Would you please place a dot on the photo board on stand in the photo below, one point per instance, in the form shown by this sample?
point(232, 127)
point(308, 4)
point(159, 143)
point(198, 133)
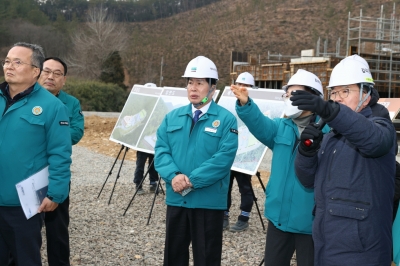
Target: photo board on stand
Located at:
point(251, 151)
point(143, 113)
point(135, 114)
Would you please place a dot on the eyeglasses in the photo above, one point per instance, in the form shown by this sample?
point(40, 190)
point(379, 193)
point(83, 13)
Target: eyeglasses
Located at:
point(286, 96)
point(56, 74)
point(15, 63)
point(342, 93)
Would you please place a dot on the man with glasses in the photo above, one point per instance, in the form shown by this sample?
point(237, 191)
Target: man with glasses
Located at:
point(351, 169)
point(53, 79)
point(34, 134)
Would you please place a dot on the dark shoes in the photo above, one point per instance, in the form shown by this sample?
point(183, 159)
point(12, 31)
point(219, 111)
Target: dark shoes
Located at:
point(239, 226)
point(140, 191)
point(153, 187)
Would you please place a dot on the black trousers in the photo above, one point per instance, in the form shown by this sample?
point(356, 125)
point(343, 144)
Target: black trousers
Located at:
point(202, 227)
point(57, 235)
point(246, 195)
point(141, 158)
point(280, 246)
point(20, 237)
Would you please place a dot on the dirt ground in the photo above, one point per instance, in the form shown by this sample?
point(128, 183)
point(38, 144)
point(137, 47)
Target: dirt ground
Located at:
point(96, 138)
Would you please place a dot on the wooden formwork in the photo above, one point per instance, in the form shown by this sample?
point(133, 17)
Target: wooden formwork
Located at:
point(321, 69)
point(269, 72)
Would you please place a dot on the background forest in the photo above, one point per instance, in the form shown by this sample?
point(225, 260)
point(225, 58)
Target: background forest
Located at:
point(112, 45)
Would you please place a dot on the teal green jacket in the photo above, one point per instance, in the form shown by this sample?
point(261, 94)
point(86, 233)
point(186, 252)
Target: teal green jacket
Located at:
point(288, 204)
point(34, 133)
point(205, 155)
point(76, 120)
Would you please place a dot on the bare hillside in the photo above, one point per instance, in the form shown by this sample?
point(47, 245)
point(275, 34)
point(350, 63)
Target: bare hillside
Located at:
point(253, 26)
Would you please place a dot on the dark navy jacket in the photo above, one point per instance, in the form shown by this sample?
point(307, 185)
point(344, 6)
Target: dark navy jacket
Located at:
point(353, 180)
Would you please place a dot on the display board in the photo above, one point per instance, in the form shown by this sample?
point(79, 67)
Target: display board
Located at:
point(143, 113)
point(135, 114)
point(393, 106)
point(251, 152)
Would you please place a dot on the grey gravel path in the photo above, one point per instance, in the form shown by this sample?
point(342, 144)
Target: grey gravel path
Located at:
point(100, 235)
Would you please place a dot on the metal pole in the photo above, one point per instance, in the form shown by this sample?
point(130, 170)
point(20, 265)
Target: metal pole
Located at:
point(359, 34)
point(162, 63)
point(348, 36)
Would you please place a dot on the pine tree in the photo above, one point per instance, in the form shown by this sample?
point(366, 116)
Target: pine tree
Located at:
point(112, 70)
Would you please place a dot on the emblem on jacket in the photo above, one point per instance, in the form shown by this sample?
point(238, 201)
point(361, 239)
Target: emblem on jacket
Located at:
point(37, 110)
point(216, 123)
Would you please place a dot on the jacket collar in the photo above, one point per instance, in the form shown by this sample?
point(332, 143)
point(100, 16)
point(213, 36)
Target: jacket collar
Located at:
point(188, 110)
point(62, 96)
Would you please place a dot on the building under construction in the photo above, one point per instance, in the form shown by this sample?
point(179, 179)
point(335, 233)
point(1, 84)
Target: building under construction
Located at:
point(375, 39)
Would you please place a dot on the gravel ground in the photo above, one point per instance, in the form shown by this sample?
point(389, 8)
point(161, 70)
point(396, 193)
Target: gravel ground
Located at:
point(101, 235)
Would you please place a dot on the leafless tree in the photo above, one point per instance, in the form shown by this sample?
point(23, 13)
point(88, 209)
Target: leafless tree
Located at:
point(95, 41)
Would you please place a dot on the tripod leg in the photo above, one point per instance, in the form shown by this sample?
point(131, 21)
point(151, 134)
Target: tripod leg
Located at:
point(140, 184)
point(262, 262)
point(259, 179)
point(159, 178)
point(154, 199)
point(255, 202)
point(130, 202)
point(112, 167)
point(119, 171)
point(159, 186)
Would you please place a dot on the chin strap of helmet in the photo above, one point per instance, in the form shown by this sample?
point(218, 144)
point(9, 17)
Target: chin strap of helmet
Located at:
point(361, 100)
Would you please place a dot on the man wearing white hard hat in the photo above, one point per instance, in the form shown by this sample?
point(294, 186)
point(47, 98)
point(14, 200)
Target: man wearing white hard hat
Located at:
point(243, 180)
point(352, 171)
point(288, 205)
point(195, 149)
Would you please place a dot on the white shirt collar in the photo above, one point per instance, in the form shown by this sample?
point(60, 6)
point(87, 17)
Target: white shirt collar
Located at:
point(203, 109)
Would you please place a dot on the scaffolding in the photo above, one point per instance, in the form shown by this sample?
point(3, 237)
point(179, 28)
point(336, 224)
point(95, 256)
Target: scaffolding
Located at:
point(378, 41)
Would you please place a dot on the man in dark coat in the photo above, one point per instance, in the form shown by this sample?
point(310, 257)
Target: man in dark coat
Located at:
point(351, 169)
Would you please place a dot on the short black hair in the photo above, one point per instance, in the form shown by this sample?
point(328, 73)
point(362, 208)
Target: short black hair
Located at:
point(213, 81)
point(208, 80)
point(58, 60)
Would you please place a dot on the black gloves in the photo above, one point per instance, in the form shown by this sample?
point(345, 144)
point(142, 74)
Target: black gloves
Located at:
point(310, 140)
point(327, 110)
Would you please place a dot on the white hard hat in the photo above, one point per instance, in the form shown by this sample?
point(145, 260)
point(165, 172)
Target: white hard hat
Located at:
point(349, 71)
point(305, 78)
point(201, 67)
point(357, 58)
point(245, 78)
point(150, 85)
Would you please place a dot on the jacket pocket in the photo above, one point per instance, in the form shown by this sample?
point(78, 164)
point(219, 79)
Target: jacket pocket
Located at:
point(348, 211)
point(344, 227)
point(171, 129)
point(175, 134)
point(34, 127)
point(33, 120)
point(211, 141)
